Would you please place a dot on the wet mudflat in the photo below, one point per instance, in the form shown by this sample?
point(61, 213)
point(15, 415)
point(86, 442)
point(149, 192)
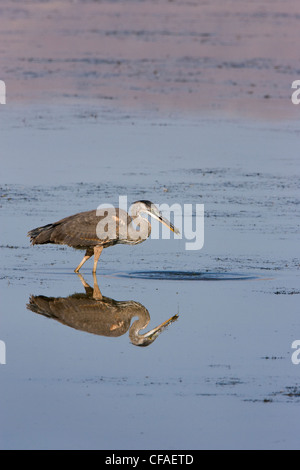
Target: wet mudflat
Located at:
point(220, 375)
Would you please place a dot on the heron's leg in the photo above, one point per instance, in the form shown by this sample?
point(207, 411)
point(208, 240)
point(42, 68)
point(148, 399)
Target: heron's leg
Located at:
point(97, 253)
point(97, 293)
point(87, 256)
point(84, 283)
point(88, 288)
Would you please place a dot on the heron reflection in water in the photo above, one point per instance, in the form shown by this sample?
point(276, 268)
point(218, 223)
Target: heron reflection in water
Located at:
point(97, 229)
point(93, 313)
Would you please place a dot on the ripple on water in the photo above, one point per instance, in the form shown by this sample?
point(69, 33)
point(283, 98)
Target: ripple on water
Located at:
point(187, 276)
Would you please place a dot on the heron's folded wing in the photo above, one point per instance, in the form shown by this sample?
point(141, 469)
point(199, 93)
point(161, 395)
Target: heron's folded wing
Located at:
point(88, 229)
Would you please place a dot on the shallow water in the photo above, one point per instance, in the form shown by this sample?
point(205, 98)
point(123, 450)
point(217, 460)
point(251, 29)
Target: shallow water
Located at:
point(151, 100)
point(221, 375)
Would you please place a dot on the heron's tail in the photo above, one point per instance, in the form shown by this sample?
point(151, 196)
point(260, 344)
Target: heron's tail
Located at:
point(40, 304)
point(41, 235)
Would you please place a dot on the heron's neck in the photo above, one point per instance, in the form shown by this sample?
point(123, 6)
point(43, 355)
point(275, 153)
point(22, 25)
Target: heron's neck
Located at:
point(141, 220)
point(138, 325)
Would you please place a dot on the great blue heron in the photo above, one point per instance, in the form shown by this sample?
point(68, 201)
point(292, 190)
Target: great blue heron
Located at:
point(97, 229)
point(93, 313)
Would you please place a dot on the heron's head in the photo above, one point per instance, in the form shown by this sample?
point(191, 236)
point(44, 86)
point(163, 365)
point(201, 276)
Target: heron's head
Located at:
point(147, 207)
point(147, 338)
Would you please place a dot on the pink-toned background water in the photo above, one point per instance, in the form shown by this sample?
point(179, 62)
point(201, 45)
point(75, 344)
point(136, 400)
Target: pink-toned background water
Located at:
point(176, 56)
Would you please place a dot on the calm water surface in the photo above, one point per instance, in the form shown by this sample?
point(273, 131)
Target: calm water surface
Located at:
point(220, 375)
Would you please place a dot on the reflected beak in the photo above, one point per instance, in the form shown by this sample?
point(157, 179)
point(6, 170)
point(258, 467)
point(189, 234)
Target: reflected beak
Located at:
point(165, 222)
point(152, 334)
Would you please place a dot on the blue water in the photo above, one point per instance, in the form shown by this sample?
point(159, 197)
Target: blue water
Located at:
point(220, 376)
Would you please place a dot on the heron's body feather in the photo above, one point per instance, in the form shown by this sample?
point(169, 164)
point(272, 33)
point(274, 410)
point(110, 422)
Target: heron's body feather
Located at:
point(80, 230)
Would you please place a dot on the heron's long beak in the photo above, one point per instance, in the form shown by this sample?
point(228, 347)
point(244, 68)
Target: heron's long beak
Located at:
point(165, 222)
